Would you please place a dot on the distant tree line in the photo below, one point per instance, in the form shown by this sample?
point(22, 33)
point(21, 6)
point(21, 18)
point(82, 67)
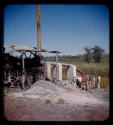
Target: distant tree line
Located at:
point(94, 53)
point(91, 54)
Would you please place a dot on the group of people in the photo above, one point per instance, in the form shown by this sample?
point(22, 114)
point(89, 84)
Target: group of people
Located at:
point(88, 81)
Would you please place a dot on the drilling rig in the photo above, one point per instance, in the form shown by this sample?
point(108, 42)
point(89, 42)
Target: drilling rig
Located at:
point(41, 69)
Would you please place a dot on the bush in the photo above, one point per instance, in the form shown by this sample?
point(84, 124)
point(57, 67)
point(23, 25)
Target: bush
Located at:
point(48, 101)
point(61, 101)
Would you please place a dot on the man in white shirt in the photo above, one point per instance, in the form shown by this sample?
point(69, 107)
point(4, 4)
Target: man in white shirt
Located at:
point(98, 78)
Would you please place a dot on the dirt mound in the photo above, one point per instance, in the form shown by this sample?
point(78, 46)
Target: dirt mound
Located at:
point(45, 90)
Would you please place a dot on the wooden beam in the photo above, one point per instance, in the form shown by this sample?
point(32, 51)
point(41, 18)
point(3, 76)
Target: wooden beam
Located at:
point(38, 27)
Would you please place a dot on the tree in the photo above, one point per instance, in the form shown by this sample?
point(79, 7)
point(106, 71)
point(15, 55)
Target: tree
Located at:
point(97, 53)
point(87, 55)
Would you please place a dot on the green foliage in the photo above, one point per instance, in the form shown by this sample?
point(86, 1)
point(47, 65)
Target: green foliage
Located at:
point(97, 53)
point(87, 55)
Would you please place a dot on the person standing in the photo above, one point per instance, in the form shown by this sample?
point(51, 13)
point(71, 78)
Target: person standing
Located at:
point(98, 78)
point(93, 81)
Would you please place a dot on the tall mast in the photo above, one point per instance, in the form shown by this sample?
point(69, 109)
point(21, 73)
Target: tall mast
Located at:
point(38, 27)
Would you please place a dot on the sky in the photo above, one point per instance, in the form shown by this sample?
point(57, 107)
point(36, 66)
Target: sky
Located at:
point(66, 28)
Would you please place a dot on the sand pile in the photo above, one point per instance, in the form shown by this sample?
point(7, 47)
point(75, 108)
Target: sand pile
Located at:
point(46, 90)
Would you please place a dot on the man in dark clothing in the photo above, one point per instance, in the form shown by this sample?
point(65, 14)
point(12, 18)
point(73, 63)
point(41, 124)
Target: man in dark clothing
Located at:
point(78, 83)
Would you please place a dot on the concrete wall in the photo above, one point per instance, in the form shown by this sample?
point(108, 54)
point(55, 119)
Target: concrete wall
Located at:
point(71, 73)
point(48, 71)
point(57, 71)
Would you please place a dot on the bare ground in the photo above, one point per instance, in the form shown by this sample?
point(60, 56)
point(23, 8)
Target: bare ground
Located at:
point(48, 102)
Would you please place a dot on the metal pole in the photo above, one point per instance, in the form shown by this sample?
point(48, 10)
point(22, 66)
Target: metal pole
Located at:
point(23, 65)
point(23, 71)
point(56, 57)
point(56, 63)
